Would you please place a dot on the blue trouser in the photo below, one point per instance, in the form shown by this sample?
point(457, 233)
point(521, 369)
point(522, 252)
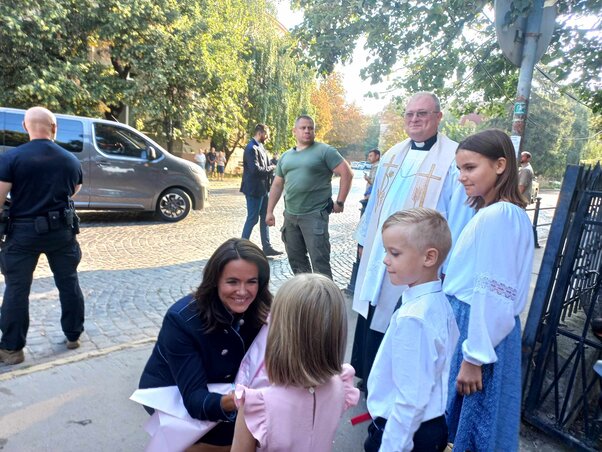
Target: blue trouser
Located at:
point(257, 207)
point(307, 234)
point(18, 259)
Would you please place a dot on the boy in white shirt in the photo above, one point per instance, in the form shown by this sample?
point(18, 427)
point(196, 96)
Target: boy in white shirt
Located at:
point(407, 386)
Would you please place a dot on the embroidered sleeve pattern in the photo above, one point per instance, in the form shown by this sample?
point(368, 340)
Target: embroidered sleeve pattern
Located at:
point(488, 285)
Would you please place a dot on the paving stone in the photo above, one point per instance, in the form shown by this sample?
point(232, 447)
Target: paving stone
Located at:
point(134, 267)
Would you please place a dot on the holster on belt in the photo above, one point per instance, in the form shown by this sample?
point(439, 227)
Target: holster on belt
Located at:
point(71, 217)
point(4, 224)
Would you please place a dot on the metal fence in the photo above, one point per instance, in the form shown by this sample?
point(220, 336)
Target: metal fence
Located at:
point(561, 390)
point(536, 224)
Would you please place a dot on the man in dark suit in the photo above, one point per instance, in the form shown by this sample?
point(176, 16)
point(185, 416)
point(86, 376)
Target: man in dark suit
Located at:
point(256, 185)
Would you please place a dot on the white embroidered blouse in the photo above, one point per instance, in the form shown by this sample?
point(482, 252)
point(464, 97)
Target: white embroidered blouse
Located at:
point(490, 269)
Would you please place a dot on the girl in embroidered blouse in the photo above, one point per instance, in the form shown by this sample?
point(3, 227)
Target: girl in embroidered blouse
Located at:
point(311, 388)
point(487, 282)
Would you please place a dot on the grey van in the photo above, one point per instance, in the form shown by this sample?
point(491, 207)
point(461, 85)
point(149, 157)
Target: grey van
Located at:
point(123, 168)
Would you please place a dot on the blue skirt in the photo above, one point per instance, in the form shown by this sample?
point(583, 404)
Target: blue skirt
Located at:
point(488, 420)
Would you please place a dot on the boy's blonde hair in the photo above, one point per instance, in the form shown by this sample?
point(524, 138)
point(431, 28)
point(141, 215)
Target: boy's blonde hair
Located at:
point(307, 336)
point(426, 229)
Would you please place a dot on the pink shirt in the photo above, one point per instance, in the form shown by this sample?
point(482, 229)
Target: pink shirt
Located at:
point(289, 418)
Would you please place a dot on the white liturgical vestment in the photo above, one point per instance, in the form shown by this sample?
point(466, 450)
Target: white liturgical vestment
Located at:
point(405, 178)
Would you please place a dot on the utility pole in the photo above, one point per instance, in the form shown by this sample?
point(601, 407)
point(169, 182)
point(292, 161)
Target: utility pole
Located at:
point(525, 77)
point(523, 42)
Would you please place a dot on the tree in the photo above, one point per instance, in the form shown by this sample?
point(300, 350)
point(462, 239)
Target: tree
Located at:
point(338, 123)
point(592, 151)
point(279, 86)
point(185, 63)
point(44, 56)
point(323, 111)
point(450, 46)
point(328, 101)
point(392, 125)
point(199, 68)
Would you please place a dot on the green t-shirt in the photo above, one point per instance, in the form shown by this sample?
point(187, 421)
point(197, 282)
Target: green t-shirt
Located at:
point(307, 177)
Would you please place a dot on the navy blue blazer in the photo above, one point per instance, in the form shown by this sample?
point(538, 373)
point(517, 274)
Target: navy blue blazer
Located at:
point(256, 172)
point(190, 358)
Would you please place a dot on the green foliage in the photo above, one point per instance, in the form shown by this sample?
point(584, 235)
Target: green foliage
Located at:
point(372, 134)
point(575, 53)
point(452, 127)
point(392, 125)
point(278, 86)
point(340, 124)
point(184, 62)
point(200, 68)
point(592, 151)
point(450, 46)
point(44, 55)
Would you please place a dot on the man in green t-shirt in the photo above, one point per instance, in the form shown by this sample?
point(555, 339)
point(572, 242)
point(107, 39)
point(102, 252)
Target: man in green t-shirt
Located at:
point(304, 173)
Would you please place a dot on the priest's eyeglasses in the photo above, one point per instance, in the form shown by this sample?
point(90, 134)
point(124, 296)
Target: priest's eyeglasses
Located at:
point(420, 114)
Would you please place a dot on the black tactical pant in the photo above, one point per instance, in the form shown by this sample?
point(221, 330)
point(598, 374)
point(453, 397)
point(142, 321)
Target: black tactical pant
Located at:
point(18, 259)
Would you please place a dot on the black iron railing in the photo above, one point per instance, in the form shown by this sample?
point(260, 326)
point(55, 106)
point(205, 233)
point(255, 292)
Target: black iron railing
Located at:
point(536, 210)
point(560, 344)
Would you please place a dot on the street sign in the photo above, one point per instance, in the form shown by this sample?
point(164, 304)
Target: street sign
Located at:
point(520, 108)
point(510, 37)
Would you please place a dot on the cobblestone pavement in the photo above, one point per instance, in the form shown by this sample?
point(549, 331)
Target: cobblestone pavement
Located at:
point(134, 267)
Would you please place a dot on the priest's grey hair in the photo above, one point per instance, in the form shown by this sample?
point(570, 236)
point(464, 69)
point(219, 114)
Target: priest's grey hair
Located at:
point(429, 94)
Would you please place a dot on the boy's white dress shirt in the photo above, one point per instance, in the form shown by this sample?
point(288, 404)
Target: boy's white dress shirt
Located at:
point(409, 379)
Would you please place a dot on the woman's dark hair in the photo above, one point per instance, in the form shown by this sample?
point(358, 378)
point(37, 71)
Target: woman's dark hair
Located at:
point(206, 296)
point(495, 144)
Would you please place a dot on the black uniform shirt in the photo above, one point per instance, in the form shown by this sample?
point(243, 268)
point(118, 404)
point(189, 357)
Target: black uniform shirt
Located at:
point(43, 177)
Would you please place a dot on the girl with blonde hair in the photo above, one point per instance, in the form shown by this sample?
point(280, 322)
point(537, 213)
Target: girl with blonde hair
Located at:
point(310, 387)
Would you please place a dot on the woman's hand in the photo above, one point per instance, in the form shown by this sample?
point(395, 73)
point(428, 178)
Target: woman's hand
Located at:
point(227, 402)
point(470, 379)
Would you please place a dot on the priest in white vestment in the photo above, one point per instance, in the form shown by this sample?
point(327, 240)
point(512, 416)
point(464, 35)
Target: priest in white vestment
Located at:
point(418, 172)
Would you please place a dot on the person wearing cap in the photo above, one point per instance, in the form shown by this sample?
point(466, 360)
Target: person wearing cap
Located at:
point(525, 175)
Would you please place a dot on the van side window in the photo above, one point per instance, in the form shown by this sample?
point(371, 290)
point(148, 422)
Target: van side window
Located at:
point(70, 134)
point(14, 133)
point(116, 141)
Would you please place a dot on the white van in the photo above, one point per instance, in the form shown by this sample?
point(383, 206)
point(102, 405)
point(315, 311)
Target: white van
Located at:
point(123, 168)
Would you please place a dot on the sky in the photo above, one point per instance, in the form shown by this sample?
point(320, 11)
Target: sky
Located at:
point(355, 87)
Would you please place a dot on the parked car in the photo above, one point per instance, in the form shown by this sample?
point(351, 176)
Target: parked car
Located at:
point(123, 169)
point(361, 165)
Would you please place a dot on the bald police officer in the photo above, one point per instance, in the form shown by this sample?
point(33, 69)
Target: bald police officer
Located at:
point(41, 177)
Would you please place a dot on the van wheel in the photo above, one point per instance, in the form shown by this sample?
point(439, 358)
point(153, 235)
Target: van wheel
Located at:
point(173, 205)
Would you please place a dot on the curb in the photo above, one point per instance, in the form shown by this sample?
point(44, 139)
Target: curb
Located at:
point(72, 359)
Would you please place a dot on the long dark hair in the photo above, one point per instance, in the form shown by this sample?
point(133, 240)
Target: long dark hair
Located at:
point(206, 296)
point(495, 144)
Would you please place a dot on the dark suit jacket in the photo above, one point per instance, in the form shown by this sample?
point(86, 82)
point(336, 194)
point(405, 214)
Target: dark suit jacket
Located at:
point(256, 175)
point(190, 358)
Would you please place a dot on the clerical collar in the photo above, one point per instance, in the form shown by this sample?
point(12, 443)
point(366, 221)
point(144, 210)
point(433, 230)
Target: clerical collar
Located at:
point(425, 146)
